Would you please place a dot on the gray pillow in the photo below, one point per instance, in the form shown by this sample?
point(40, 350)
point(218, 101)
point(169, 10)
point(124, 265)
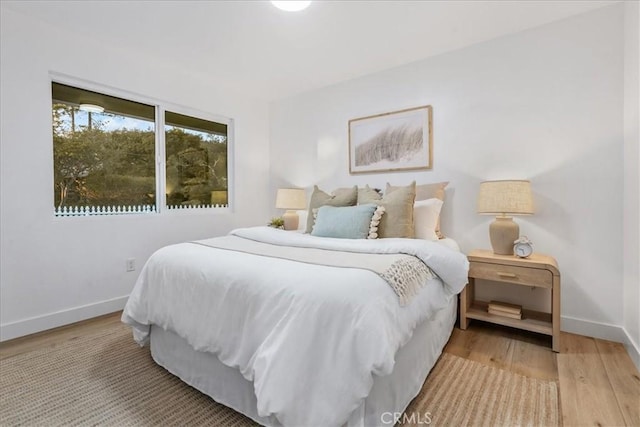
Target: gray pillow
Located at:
point(340, 197)
point(397, 220)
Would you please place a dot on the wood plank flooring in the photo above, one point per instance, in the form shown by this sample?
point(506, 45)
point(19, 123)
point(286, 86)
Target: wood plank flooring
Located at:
point(56, 336)
point(599, 384)
point(625, 384)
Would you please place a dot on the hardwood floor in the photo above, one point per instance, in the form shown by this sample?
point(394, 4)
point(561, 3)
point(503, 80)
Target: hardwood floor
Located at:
point(56, 336)
point(599, 384)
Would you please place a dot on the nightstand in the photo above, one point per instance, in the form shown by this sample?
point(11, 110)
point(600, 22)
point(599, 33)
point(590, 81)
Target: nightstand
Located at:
point(538, 270)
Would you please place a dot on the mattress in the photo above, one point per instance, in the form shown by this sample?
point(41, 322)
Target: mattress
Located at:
point(390, 394)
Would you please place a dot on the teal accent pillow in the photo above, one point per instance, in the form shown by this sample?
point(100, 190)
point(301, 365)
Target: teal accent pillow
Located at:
point(340, 197)
point(350, 222)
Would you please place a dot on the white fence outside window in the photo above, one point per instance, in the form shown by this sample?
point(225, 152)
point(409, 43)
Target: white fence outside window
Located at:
point(124, 210)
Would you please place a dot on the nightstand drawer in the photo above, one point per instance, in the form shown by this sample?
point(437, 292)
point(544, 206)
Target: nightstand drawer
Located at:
point(512, 274)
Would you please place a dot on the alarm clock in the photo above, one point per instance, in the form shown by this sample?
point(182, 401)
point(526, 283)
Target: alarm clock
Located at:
point(523, 247)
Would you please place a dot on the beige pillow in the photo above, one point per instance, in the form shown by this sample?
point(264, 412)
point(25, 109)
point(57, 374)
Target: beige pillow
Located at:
point(426, 192)
point(366, 194)
point(397, 220)
point(340, 197)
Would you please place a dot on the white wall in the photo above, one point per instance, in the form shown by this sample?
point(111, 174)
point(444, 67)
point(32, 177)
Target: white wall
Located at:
point(56, 271)
point(631, 209)
point(544, 104)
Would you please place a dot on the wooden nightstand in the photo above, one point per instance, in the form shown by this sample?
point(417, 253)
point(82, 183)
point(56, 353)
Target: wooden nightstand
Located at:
point(537, 270)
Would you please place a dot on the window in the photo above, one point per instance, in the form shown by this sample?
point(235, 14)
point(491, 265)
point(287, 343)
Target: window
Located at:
point(105, 155)
point(102, 161)
point(196, 159)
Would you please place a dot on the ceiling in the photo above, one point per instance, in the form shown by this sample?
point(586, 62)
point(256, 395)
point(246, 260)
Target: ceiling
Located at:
point(272, 54)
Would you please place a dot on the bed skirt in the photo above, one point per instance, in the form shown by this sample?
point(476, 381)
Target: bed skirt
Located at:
point(390, 394)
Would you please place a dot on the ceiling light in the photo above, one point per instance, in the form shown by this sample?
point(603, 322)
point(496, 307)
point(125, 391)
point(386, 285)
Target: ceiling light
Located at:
point(291, 5)
point(91, 108)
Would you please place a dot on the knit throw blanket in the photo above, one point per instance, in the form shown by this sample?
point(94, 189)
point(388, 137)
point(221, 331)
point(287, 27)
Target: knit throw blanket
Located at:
point(406, 274)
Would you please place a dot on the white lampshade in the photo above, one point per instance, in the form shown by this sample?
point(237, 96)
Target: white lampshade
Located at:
point(91, 108)
point(511, 197)
point(291, 199)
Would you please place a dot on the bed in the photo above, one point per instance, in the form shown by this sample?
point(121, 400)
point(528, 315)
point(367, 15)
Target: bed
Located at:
point(292, 329)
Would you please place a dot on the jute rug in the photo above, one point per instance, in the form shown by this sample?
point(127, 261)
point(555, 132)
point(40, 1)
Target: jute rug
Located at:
point(106, 379)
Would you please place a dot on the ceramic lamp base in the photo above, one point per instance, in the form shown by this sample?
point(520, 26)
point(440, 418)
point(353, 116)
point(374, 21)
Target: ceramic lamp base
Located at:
point(503, 232)
point(291, 220)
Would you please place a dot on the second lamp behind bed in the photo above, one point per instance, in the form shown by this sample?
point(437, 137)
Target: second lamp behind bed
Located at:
point(291, 199)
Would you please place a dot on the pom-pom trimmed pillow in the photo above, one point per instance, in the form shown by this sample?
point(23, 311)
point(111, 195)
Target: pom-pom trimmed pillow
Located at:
point(340, 197)
point(347, 222)
point(425, 218)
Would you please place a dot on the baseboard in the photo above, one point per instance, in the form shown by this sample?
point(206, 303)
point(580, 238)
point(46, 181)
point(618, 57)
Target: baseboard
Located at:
point(589, 328)
point(603, 331)
point(632, 348)
point(32, 325)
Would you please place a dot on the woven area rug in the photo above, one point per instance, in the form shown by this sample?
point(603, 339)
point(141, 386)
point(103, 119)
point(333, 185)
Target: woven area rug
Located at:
point(461, 392)
point(106, 379)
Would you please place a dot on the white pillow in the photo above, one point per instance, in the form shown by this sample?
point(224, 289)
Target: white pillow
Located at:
point(302, 223)
point(425, 218)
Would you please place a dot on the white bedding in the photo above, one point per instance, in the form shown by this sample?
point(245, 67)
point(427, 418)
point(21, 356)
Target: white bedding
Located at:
point(300, 332)
point(389, 394)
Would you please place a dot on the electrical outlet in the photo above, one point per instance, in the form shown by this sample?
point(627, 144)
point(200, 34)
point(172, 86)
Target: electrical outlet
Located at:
point(131, 264)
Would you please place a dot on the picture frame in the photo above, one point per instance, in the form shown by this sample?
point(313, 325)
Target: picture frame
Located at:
point(389, 142)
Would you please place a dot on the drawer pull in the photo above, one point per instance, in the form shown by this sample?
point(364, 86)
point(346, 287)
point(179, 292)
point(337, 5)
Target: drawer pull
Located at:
point(510, 275)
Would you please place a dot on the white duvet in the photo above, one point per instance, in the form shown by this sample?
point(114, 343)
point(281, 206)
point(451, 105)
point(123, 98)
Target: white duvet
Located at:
point(310, 337)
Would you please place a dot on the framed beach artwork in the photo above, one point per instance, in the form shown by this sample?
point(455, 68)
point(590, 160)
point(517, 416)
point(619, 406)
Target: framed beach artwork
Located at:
point(397, 141)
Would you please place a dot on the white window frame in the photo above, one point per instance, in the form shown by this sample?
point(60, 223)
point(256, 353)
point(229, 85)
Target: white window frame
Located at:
point(160, 160)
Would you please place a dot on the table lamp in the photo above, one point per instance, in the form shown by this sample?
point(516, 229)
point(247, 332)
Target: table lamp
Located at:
point(504, 198)
point(291, 199)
